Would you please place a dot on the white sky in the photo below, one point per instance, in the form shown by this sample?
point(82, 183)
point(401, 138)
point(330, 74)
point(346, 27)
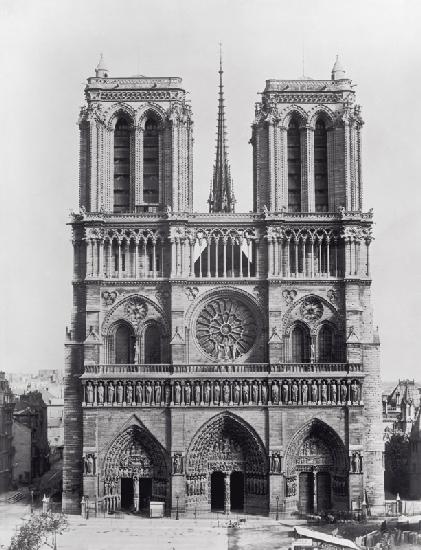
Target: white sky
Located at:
point(49, 48)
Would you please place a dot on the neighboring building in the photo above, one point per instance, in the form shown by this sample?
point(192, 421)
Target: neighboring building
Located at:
point(31, 412)
point(6, 421)
point(415, 459)
point(400, 406)
point(222, 360)
point(22, 456)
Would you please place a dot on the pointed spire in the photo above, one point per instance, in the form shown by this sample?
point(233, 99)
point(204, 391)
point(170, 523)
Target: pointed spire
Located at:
point(221, 196)
point(101, 71)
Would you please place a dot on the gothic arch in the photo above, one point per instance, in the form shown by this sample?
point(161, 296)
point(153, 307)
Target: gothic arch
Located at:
point(135, 452)
point(110, 317)
point(150, 111)
point(119, 110)
point(331, 442)
point(226, 443)
point(293, 111)
point(321, 111)
point(294, 313)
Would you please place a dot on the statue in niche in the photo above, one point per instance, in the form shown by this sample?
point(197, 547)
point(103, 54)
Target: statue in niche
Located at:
point(158, 393)
point(129, 393)
point(360, 462)
point(294, 392)
point(264, 394)
point(354, 392)
point(187, 393)
point(285, 392)
point(275, 393)
point(237, 393)
point(217, 393)
point(110, 392)
point(89, 393)
point(314, 392)
point(304, 393)
point(100, 393)
point(167, 394)
point(178, 463)
point(177, 393)
point(324, 392)
point(148, 394)
point(276, 463)
point(255, 393)
point(333, 392)
point(206, 393)
point(226, 393)
point(119, 393)
point(197, 393)
point(344, 392)
point(89, 464)
point(245, 393)
point(139, 393)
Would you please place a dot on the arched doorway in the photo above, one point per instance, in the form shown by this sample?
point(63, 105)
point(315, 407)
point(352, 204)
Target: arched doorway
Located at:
point(135, 471)
point(237, 491)
point(217, 491)
point(316, 469)
point(227, 460)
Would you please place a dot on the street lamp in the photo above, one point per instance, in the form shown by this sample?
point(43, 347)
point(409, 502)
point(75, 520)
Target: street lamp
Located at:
point(277, 508)
point(176, 512)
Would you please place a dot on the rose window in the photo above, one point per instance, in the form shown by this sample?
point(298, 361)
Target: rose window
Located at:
point(226, 329)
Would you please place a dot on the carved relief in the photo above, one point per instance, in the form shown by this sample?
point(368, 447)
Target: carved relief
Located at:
point(109, 297)
point(226, 329)
point(289, 296)
point(311, 308)
point(191, 292)
point(136, 309)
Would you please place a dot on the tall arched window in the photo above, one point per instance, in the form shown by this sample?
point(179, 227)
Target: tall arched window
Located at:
point(124, 345)
point(326, 345)
point(121, 166)
point(300, 345)
point(294, 167)
point(320, 167)
point(152, 345)
point(151, 162)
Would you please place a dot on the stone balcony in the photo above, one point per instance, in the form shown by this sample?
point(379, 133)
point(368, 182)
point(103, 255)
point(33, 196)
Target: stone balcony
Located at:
point(229, 385)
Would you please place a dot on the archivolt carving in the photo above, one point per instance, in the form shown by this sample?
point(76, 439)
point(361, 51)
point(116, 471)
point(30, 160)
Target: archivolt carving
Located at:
point(135, 453)
point(226, 328)
point(226, 443)
point(316, 445)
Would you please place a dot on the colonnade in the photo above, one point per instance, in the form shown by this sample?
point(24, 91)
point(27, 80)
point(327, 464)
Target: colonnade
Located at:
point(239, 392)
point(115, 258)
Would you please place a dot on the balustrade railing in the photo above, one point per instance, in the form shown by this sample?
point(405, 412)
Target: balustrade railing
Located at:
point(228, 368)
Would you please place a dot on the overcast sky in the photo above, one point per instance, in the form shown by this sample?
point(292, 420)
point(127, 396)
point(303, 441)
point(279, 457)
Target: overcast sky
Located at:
point(49, 48)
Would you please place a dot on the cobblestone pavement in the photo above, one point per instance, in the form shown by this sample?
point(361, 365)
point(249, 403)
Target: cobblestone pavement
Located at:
point(160, 534)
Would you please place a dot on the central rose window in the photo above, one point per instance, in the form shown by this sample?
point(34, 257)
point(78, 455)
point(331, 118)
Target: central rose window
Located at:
point(226, 329)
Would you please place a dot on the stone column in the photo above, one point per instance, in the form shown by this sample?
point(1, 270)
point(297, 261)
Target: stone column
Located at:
point(227, 503)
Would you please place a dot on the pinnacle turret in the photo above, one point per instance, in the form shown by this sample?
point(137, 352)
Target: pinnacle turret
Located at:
point(221, 196)
point(101, 71)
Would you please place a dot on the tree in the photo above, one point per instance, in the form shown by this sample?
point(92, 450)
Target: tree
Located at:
point(38, 530)
point(397, 464)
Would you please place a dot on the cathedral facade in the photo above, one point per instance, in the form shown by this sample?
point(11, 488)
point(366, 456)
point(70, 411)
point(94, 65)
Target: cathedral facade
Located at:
point(221, 360)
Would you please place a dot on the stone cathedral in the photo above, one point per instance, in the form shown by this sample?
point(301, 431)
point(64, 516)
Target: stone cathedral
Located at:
point(221, 360)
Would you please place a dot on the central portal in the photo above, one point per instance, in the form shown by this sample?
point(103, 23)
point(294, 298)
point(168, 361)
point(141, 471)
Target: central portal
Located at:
point(217, 491)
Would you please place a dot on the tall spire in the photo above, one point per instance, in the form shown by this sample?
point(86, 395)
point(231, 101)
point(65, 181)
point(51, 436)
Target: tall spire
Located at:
point(221, 196)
